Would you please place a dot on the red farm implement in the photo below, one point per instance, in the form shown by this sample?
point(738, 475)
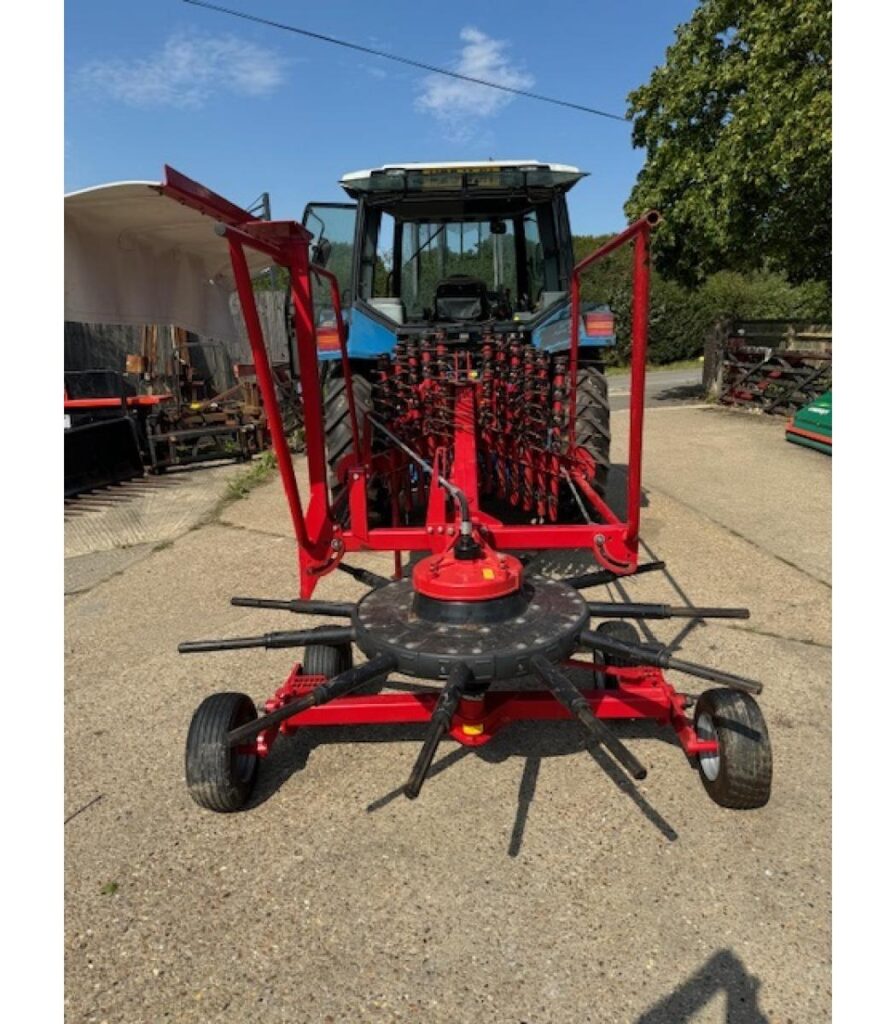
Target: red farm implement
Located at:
point(444, 436)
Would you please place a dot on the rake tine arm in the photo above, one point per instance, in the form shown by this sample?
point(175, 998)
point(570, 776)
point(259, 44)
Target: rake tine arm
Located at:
point(337, 609)
point(642, 655)
point(338, 686)
point(597, 579)
point(290, 638)
point(571, 698)
point(365, 576)
point(619, 610)
point(439, 724)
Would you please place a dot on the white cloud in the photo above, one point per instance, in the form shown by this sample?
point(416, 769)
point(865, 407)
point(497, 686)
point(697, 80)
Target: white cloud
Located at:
point(459, 104)
point(186, 72)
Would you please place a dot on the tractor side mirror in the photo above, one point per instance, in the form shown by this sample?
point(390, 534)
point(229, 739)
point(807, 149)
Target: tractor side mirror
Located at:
point(320, 253)
point(497, 226)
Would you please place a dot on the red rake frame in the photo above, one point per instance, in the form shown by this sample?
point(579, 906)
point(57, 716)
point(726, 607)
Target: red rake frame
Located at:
point(322, 542)
point(641, 692)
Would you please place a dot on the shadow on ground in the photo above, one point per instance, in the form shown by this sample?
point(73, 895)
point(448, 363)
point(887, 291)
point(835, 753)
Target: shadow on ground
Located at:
point(724, 972)
point(528, 742)
point(682, 393)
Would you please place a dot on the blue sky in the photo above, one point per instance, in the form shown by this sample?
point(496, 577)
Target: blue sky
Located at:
point(246, 108)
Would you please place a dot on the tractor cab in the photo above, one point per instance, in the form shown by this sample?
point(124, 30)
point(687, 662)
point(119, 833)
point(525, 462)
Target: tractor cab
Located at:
point(465, 248)
point(458, 276)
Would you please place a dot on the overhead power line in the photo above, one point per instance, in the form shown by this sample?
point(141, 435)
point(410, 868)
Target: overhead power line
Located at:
point(404, 60)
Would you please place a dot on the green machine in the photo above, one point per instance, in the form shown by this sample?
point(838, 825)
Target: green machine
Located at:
point(811, 426)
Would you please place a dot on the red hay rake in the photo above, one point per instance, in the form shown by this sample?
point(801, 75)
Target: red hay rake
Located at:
point(466, 614)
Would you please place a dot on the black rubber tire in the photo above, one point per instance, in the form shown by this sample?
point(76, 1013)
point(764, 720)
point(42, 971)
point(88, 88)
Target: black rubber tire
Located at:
point(744, 776)
point(593, 421)
point(618, 629)
point(592, 433)
point(338, 430)
point(219, 778)
point(327, 659)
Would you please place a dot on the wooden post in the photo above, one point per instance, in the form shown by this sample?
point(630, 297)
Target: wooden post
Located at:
point(714, 357)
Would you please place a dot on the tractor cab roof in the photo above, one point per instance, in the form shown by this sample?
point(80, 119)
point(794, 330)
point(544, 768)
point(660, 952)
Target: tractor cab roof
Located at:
point(410, 186)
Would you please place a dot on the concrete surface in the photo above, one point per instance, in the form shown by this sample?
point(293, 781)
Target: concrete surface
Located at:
point(151, 510)
point(662, 387)
point(109, 529)
point(530, 882)
point(752, 481)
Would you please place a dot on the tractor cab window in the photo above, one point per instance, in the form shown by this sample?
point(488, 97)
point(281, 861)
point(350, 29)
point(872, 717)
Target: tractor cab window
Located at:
point(534, 257)
point(333, 228)
point(383, 276)
point(432, 252)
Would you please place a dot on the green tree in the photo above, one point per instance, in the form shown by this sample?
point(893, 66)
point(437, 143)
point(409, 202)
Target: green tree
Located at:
point(737, 130)
point(680, 316)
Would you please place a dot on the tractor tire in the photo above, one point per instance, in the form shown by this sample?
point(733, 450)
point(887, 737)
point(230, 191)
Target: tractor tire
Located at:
point(593, 421)
point(218, 777)
point(327, 659)
point(338, 432)
point(740, 775)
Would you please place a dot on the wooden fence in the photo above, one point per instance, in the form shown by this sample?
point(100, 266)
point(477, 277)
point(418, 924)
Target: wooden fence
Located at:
point(774, 366)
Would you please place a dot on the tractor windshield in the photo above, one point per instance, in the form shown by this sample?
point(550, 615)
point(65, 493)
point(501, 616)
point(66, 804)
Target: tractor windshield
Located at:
point(505, 255)
point(480, 249)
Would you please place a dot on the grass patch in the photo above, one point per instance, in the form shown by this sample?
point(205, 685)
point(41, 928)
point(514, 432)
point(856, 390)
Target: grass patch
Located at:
point(109, 889)
point(256, 474)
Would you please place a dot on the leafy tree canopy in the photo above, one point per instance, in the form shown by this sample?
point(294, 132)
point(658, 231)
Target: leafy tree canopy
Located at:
point(737, 129)
point(681, 316)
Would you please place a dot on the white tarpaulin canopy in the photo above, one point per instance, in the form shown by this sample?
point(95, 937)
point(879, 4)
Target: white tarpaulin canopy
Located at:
point(134, 256)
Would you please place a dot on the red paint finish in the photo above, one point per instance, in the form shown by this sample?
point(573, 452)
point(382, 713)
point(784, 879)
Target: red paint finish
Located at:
point(132, 401)
point(267, 388)
point(643, 693)
point(623, 558)
point(791, 429)
point(448, 578)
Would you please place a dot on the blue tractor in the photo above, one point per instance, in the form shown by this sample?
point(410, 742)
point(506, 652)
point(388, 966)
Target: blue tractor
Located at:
point(461, 265)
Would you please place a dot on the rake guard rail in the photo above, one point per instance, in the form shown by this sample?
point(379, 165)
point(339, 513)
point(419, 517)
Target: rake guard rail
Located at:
point(639, 231)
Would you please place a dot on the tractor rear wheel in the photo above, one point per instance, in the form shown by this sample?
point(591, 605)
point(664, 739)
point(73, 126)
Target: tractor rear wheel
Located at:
point(338, 432)
point(593, 421)
point(220, 777)
point(740, 774)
